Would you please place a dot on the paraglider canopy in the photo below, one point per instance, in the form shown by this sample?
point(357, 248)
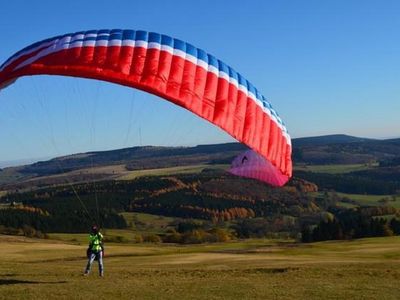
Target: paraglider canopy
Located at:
point(176, 71)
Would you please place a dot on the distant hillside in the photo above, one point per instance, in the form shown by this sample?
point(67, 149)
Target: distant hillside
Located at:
point(111, 164)
point(147, 157)
point(320, 150)
point(343, 149)
point(328, 140)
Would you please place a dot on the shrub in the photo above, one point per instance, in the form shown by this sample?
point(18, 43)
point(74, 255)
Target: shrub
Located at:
point(196, 237)
point(138, 238)
point(151, 238)
point(220, 235)
point(10, 230)
point(188, 226)
point(28, 231)
point(172, 237)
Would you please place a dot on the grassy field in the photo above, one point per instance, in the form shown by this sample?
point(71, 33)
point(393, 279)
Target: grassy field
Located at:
point(254, 269)
point(169, 171)
point(141, 222)
point(333, 169)
point(366, 200)
point(117, 172)
point(148, 219)
point(372, 200)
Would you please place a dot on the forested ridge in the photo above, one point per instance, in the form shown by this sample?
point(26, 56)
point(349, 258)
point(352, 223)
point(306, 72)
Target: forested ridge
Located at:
point(307, 206)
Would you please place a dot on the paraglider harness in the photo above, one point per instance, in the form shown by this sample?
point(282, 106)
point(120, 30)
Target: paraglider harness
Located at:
point(89, 250)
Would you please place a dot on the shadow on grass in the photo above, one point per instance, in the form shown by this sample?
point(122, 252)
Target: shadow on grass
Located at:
point(17, 281)
point(270, 270)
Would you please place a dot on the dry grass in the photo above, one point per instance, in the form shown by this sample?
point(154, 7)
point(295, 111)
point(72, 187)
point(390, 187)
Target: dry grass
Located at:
point(169, 171)
point(255, 269)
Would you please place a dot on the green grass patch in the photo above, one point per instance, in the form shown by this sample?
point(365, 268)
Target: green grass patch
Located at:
point(347, 205)
point(364, 200)
point(386, 217)
point(78, 238)
point(112, 235)
point(146, 223)
point(146, 218)
point(370, 200)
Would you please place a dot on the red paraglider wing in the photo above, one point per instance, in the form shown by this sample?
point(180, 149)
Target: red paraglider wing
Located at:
point(171, 69)
point(250, 164)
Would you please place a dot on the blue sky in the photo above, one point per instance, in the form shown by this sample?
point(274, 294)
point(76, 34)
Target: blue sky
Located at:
point(326, 66)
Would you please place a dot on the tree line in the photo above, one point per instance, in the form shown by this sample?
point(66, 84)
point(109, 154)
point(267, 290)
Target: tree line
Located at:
point(68, 221)
point(353, 183)
point(351, 224)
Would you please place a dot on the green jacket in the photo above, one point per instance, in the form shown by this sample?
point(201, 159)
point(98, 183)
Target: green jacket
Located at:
point(96, 242)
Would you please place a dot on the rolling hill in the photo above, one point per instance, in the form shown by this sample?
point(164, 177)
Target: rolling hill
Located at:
point(328, 140)
point(99, 165)
point(343, 149)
